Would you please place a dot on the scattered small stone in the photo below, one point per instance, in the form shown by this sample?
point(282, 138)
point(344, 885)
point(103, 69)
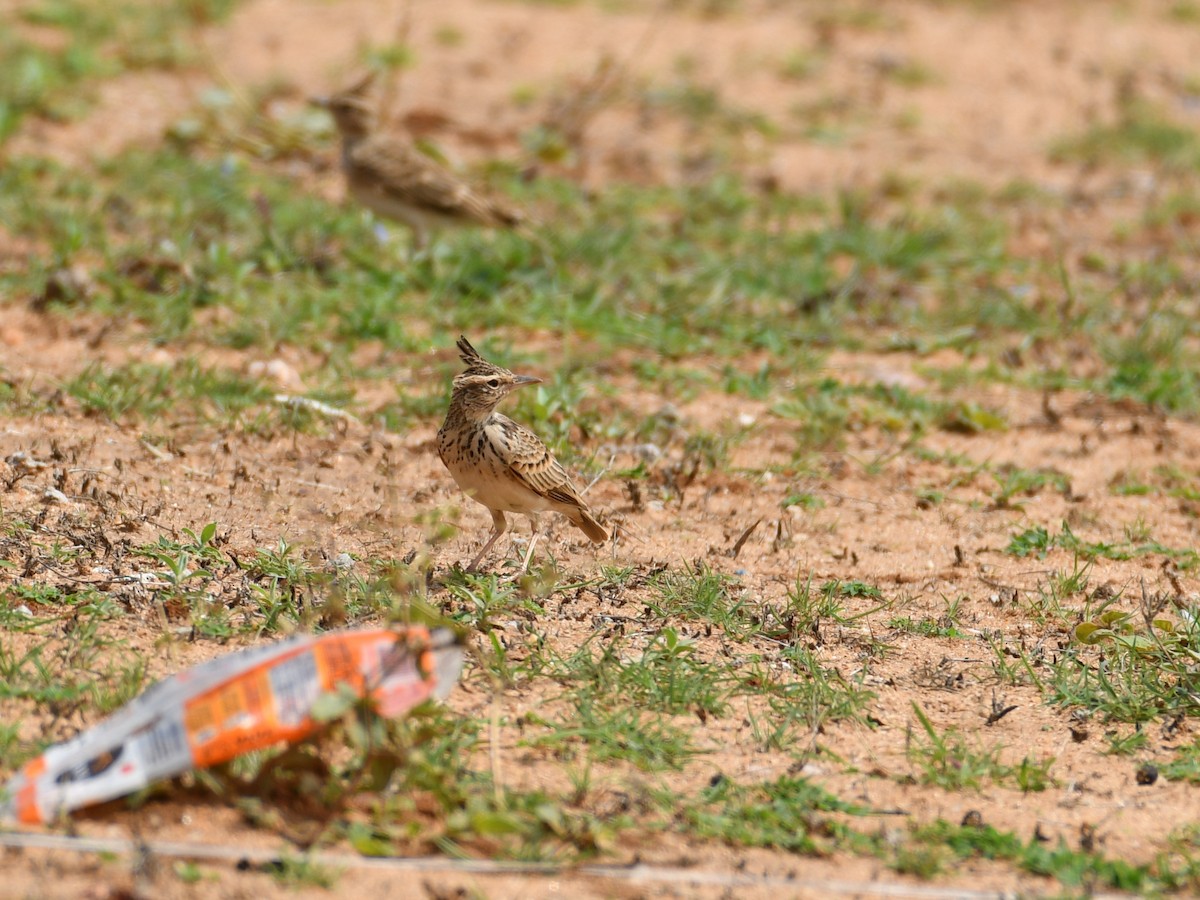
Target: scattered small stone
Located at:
point(343, 562)
point(1147, 774)
point(22, 460)
point(54, 495)
point(278, 372)
point(972, 819)
point(160, 455)
point(647, 452)
point(67, 285)
point(316, 406)
point(669, 413)
point(146, 579)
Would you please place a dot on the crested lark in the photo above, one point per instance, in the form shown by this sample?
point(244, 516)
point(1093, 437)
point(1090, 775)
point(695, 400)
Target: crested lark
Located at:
point(499, 463)
point(390, 177)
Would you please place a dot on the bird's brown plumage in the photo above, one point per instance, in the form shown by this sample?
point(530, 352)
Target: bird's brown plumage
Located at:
point(392, 178)
point(499, 462)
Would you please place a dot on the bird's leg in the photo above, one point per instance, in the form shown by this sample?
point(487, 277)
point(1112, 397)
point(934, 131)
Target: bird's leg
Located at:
point(499, 526)
point(420, 242)
point(533, 537)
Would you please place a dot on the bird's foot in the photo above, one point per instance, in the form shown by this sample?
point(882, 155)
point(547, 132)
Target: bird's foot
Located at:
point(528, 554)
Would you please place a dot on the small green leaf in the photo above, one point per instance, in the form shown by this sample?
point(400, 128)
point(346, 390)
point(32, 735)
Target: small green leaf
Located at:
point(1112, 616)
point(552, 817)
point(971, 418)
point(1138, 642)
point(368, 841)
point(1091, 633)
point(494, 823)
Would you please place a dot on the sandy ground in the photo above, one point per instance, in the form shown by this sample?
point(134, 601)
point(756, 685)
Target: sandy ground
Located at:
point(988, 89)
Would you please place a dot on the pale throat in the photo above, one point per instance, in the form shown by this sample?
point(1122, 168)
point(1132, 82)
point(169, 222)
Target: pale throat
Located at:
point(480, 413)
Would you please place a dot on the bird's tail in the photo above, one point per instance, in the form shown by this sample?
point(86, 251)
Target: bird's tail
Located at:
point(506, 215)
point(589, 526)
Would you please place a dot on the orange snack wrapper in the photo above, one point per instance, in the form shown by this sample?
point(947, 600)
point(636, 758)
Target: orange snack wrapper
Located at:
point(243, 701)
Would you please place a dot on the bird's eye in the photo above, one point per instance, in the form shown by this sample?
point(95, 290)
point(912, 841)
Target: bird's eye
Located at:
point(494, 382)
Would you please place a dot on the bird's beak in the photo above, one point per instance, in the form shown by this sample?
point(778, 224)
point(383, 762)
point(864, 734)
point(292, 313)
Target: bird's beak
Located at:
point(522, 380)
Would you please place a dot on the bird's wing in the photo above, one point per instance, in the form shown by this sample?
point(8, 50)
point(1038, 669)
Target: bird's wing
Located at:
point(532, 463)
point(404, 174)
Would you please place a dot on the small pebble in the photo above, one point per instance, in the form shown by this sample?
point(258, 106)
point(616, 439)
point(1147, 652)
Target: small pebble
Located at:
point(54, 495)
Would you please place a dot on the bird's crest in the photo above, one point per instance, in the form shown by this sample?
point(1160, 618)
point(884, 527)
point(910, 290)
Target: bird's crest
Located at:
point(357, 90)
point(476, 364)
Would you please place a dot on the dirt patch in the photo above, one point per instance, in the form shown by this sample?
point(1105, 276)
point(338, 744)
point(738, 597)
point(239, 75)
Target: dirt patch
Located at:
point(358, 491)
point(930, 92)
point(935, 92)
